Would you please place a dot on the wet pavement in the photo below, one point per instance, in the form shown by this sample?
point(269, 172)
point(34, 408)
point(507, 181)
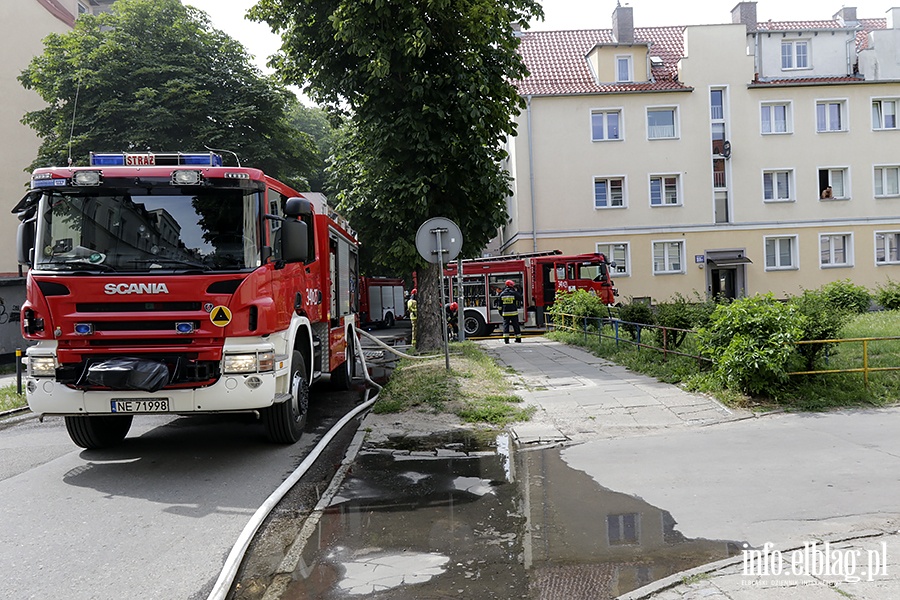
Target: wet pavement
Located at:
point(526, 512)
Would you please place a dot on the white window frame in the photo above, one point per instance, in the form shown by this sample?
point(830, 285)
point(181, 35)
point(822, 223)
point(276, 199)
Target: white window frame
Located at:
point(878, 114)
point(881, 176)
point(665, 189)
point(676, 132)
point(886, 247)
point(629, 68)
point(624, 264)
point(795, 257)
point(795, 55)
point(774, 173)
point(770, 106)
point(843, 115)
point(848, 250)
point(682, 254)
point(605, 112)
point(608, 179)
point(845, 175)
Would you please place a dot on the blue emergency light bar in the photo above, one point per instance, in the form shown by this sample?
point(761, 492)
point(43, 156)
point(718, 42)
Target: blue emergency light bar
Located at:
point(149, 159)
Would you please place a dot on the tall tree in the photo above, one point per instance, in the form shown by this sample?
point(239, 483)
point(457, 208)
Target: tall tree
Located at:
point(430, 89)
point(155, 75)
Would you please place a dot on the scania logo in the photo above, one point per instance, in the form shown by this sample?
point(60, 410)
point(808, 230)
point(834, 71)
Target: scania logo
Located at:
point(136, 288)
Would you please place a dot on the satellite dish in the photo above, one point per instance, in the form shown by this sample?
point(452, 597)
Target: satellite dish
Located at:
point(726, 149)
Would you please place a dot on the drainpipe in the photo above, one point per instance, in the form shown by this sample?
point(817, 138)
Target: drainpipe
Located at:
point(531, 176)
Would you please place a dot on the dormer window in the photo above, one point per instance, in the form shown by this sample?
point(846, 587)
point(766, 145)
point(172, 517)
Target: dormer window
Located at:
point(794, 55)
point(624, 69)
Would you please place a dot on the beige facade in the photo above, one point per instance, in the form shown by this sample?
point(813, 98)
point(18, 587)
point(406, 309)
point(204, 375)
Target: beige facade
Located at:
point(768, 163)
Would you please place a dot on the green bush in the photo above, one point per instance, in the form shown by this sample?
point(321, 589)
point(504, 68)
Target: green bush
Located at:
point(635, 311)
point(750, 342)
point(846, 295)
point(580, 303)
point(675, 313)
point(887, 294)
point(823, 321)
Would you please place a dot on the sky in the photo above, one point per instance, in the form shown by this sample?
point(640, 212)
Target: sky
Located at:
point(228, 15)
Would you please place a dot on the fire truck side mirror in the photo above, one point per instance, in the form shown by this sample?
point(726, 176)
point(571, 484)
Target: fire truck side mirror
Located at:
point(297, 207)
point(294, 241)
point(25, 242)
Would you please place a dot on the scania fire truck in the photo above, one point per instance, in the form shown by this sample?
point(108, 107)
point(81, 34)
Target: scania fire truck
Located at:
point(170, 283)
point(537, 275)
point(381, 301)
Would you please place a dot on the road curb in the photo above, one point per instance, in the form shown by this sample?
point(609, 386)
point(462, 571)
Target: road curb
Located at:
point(676, 579)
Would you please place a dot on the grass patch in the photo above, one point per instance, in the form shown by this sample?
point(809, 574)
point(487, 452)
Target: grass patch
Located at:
point(475, 388)
point(9, 399)
point(804, 393)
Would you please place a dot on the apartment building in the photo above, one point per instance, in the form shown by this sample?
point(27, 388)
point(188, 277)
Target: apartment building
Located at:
point(730, 159)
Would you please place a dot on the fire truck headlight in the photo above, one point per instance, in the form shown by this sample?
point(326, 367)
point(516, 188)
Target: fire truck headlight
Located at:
point(249, 363)
point(186, 177)
point(42, 366)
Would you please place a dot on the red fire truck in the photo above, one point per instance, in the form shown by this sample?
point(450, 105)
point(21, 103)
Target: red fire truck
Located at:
point(169, 283)
point(537, 275)
point(381, 301)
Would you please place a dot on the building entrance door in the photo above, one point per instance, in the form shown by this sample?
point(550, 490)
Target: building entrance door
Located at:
point(723, 283)
point(727, 273)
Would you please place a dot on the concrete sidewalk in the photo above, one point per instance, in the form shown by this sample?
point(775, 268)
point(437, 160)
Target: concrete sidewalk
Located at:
point(579, 397)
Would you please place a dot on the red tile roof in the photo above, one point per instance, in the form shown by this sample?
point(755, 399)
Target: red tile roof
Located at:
point(558, 65)
point(557, 61)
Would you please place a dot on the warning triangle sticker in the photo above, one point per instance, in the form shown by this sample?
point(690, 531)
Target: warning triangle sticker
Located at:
point(220, 316)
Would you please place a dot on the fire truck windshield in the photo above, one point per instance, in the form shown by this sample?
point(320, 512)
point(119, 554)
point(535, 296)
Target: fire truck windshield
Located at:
point(141, 230)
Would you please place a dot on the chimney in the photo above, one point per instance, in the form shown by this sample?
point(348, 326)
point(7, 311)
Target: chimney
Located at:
point(623, 24)
point(745, 12)
point(846, 16)
point(893, 18)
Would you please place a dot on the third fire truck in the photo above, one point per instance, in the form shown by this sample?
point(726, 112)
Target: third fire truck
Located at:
point(537, 275)
point(172, 284)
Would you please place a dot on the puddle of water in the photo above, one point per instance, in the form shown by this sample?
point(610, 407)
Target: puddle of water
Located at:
point(455, 515)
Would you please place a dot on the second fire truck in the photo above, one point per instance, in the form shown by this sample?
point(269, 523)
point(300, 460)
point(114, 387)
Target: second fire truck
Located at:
point(171, 284)
point(537, 275)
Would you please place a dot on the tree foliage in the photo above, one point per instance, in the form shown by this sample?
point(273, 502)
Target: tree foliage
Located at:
point(155, 75)
point(430, 87)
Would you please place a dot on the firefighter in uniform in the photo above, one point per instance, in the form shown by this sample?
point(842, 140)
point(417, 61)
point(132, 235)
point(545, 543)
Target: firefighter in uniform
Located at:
point(510, 300)
point(412, 309)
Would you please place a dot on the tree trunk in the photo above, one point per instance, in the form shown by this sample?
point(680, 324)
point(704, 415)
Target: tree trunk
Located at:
point(429, 335)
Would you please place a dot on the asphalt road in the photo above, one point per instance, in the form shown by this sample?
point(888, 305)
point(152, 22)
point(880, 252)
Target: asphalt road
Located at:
point(152, 518)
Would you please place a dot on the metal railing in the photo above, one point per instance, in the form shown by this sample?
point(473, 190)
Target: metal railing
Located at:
point(583, 324)
point(865, 369)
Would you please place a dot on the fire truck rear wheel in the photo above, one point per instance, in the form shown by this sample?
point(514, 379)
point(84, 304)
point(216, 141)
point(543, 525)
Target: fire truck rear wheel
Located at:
point(342, 377)
point(474, 324)
point(389, 320)
point(98, 431)
point(285, 421)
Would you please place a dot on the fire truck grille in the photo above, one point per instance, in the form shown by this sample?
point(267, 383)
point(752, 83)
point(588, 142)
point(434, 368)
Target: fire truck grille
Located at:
point(182, 370)
point(140, 325)
point(116, 307)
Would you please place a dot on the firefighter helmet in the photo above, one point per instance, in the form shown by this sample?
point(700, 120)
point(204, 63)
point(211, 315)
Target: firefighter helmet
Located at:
point(510, 283)
point(454, 306)
point(413, 293)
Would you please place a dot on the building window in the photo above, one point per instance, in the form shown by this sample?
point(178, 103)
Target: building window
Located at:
point(781, 253)
point(624, 69)
point(668, 257)
point(664, 190)
point(794, 55)
point(830, 116)
point(775, 118)
point(887, 247)
point(622, 529)
point(836, 250)
point(777, 186)
point(609, 193)
point(717, 104)
point(82, 9)
point(617, 252)
point(884, 114)
point(661, 123)
point(887, 182)
point(834, 184)
point(605, 125)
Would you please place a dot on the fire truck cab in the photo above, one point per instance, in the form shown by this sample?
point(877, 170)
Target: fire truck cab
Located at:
point(537, 275)
point(170, 283)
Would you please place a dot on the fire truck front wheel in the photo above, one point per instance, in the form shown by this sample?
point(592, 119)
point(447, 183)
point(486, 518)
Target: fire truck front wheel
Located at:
point(98, 431)
point(285, 421)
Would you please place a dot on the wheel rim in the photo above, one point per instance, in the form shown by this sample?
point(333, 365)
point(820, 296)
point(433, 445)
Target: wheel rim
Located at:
point(471, 325)
point(297, 409)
